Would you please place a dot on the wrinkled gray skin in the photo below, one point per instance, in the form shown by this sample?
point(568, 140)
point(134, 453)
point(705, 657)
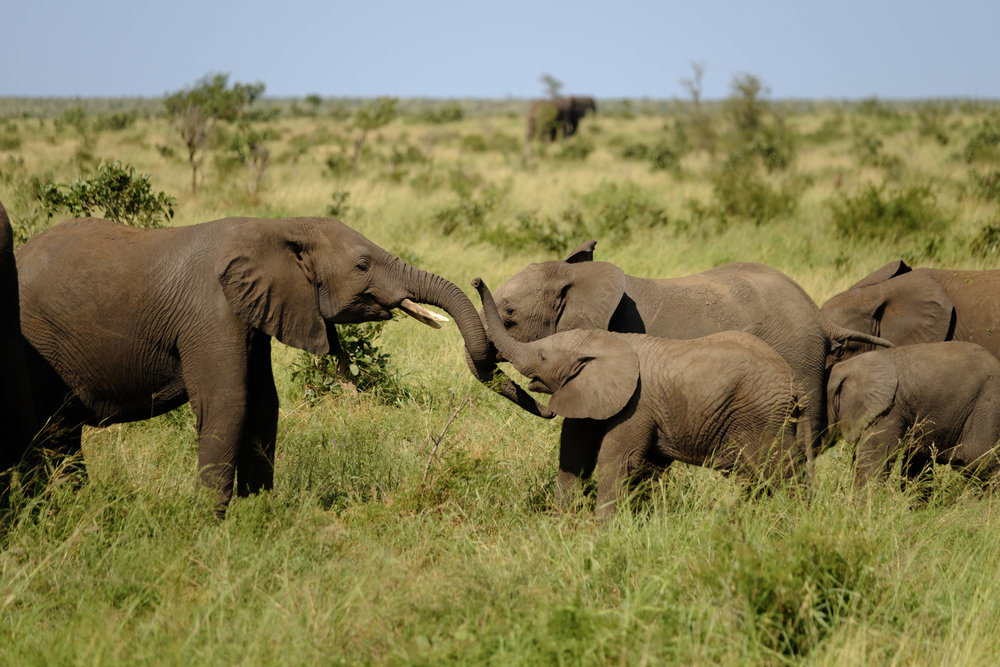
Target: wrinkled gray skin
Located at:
point(17, 411)
point(127, 323)
point(909, 306)
point(579, 293)
point(727, 401)
point(951, 390)
point(568, 112)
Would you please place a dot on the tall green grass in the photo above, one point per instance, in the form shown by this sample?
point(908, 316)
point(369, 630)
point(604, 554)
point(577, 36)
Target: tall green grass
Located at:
point(422, 530)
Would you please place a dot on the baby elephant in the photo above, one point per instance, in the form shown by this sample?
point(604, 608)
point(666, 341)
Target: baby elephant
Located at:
point(726, 400)
point(946, 394)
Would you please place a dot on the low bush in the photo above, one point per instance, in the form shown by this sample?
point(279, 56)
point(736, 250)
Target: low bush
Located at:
point(984, 144)
point(114, 191)
point(742, 192)
point(361, 367)
point(883, 213)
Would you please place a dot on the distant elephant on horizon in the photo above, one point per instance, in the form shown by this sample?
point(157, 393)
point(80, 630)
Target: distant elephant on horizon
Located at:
point(125, 324)
point(944, 396)
point(17, 411)
point(579, 293)
point(726, 401)
point(907, 306)
point(558, 117)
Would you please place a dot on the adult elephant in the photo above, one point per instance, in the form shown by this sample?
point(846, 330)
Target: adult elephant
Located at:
point(17, 412)
point(128, 323)
point(579, 293)
point(908, 306)
point(558, 117)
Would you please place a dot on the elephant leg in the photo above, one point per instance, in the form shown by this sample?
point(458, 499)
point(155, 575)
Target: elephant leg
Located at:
point(623, 451)
point(219, 398)
point(916, 466)
point(579, 443)
point(255, 458)
point(875, 450)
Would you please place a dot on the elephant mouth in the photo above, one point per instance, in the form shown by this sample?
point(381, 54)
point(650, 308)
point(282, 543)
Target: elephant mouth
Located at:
point(418, 312)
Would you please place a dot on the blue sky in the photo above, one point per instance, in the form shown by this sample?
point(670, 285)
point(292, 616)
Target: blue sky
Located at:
point(443, 48)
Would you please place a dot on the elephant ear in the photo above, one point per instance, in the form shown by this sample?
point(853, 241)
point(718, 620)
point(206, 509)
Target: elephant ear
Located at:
point(890, 270)
point(915, 309)
point(582, 253)
point(860, 391)
point(269, 279)
point(591, 296)
point(603, 378)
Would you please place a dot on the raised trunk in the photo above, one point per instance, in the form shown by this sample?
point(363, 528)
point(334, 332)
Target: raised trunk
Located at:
point(509, 348)
point(436, 291)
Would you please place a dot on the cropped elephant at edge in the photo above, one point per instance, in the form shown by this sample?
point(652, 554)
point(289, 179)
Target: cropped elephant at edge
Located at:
point(579, 293)
point(125, 324)
point(726, 400)
point(928, 402)
point(909, 306)
point(17, 411)
point(557, 118)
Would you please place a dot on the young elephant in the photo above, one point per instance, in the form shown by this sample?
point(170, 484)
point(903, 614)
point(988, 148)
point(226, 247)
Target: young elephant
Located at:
point(946, 395)
point(726, 400)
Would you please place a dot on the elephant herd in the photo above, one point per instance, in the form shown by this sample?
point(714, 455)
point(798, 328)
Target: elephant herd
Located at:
point(730, 368)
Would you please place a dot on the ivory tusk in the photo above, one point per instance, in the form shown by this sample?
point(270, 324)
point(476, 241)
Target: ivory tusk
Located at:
point(418, 312)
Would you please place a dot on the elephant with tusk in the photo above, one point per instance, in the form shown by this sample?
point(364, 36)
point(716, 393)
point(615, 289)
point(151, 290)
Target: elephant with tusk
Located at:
point(125, 324)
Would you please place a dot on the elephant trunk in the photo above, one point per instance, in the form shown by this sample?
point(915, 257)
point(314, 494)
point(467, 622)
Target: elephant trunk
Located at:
point(434, 290)
point(508, 347)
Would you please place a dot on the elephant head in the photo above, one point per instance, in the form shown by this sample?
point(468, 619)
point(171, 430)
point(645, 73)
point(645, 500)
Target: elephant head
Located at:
point(590, 374)
point(895, 303)
point(581, 105)
point(859, 391)
point(554, 296)
point(295, 279)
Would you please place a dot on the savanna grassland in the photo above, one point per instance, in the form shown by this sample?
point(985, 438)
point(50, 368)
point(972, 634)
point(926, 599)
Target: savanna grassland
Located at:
point(412, 522)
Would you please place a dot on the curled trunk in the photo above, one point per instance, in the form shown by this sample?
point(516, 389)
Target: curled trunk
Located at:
point(436, 291)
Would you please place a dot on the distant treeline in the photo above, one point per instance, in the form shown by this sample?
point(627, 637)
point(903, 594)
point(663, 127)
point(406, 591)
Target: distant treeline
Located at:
point(314, 105)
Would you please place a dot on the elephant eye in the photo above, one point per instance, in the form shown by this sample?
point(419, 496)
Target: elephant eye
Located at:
point(296, 248)
point(363, 264)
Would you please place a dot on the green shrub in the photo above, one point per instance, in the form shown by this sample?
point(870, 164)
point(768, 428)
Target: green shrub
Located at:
point(868, 150)
point(338, 205)
point(474, 143)
point(877, 212)
point(661, 156)
point(984, 144)
point(115, 121)
point(618, 209)
point(575, 149)
point(467, 215)
point(338, 164)
point(362, 366)
point(10, 137)
point(113, 191)
point(451, 112)
point(930, 123)
point(741, 192)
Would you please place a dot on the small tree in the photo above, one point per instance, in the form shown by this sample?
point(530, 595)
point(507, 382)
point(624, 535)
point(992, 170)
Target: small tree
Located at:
point(746, 105)
point(196, 110)
point(553, 86)
point(369, 118)
point(700, 122)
